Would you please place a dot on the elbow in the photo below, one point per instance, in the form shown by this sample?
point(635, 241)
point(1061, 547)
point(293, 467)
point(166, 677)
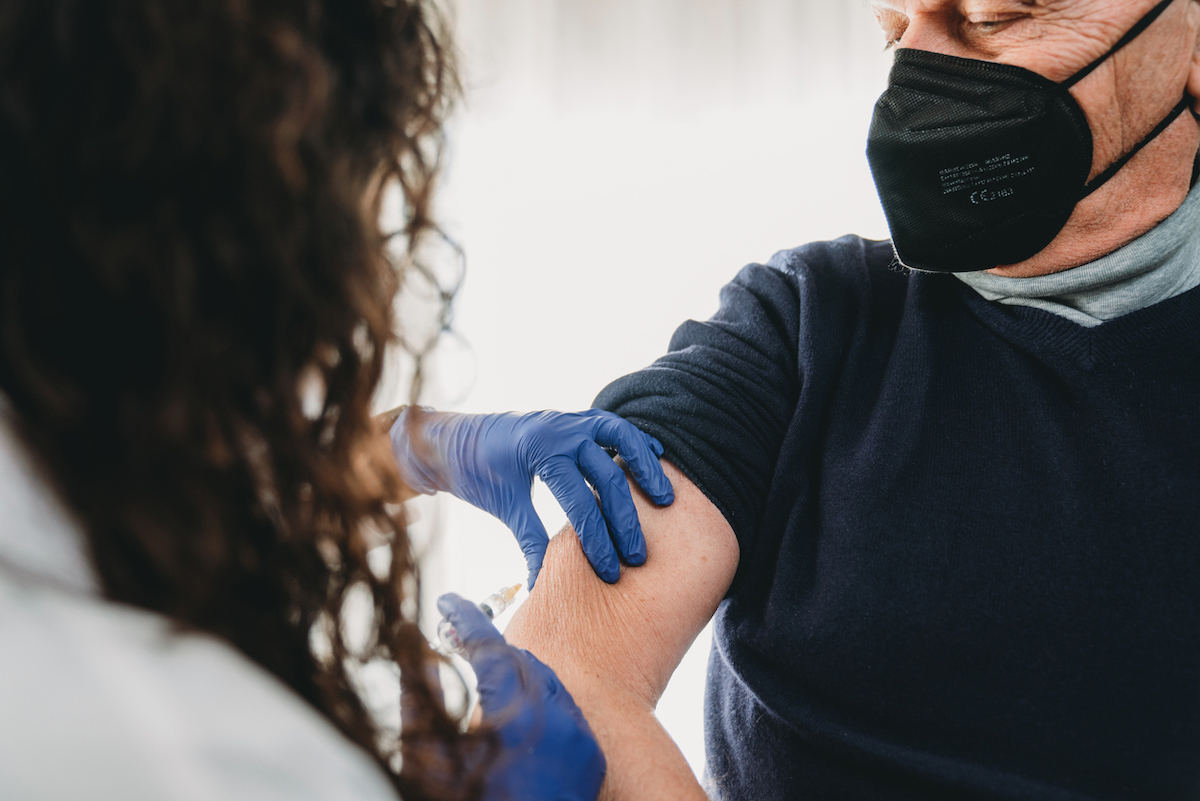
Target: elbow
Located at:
point(582, 627)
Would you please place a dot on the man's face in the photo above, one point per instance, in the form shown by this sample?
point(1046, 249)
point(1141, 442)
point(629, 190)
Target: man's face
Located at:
point(1054, 38)
point(1123, 99)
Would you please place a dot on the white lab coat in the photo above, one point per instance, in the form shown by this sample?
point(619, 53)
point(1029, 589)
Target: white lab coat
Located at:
point(100, 701)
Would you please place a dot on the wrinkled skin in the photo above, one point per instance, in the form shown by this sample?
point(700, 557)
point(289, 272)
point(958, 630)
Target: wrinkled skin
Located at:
point(1124, 99)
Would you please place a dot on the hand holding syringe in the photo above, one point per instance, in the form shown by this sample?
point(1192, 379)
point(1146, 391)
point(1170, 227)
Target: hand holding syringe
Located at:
point(551, 752)
point(492, 606)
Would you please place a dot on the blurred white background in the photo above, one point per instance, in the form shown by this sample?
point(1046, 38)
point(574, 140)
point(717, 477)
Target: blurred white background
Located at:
point(614, 163)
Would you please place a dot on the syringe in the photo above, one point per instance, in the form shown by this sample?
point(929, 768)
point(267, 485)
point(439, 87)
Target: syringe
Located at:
point(492, 606)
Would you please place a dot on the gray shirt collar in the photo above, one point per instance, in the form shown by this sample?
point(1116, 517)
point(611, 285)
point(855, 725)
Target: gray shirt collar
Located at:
point(1159, 265)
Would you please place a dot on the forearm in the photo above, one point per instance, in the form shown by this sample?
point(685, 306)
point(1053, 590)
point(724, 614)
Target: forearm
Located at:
point(381, 457)
point(643, 761)
point(616, 691)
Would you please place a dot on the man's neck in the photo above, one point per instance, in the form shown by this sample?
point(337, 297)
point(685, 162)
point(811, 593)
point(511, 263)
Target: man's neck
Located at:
point(1149, 190)
point(1158, 266)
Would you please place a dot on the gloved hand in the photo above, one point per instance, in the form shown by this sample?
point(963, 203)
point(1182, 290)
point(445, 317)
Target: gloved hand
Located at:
point(490, 460)
point(548, 752)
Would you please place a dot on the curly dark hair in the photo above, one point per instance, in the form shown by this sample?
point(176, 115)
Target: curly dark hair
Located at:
point(190, 255)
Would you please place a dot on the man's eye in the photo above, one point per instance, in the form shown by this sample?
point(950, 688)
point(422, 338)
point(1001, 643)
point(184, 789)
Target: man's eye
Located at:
point(992, 23)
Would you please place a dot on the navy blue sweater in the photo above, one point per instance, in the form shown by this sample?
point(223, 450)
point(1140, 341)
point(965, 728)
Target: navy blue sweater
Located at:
point(970, 535)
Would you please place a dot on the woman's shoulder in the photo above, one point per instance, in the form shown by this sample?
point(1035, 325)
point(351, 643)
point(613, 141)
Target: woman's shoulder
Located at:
point(104, 700)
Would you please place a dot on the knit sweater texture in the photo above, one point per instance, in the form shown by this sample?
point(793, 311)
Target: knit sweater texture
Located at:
point(970, 535)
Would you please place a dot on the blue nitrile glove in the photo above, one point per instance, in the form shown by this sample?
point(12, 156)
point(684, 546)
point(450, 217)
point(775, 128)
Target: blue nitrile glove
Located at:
point(489, 460)
point(548, 752)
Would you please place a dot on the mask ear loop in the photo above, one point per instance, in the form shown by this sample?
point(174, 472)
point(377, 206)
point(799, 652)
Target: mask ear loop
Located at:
point(1104, 177)
point(1145, 22)
point(1196, 163)
point(1133, 33)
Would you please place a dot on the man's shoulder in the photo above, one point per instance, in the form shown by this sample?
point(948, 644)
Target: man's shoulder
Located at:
point(835, 282)
point(848, 276)
point(849, 259)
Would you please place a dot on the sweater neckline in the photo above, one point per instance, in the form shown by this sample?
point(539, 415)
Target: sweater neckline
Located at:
point(1160, 264)
point(1043, 332)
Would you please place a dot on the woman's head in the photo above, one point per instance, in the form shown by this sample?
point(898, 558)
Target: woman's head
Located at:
point(189, 246)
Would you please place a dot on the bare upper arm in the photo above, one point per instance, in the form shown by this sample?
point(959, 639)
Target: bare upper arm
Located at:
point(633, 633)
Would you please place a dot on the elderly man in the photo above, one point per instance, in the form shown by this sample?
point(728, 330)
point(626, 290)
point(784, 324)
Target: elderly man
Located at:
point(949, 524)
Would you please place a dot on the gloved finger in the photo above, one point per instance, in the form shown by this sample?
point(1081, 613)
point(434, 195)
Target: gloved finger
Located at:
point(616, 502)
point(472, 625)
point(640, 451)
point(531, 535)
point(493, 660)
point(566, 482)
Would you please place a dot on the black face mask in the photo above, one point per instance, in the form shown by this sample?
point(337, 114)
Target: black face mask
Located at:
point(980, 164)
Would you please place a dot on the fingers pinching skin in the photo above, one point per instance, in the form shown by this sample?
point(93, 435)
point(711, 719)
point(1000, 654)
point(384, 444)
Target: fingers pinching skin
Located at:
point(490, 461)
point(564, 479)
point(616, 502)
point(640, 452)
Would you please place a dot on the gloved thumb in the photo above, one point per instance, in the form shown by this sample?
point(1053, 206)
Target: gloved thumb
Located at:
point(531, 536)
